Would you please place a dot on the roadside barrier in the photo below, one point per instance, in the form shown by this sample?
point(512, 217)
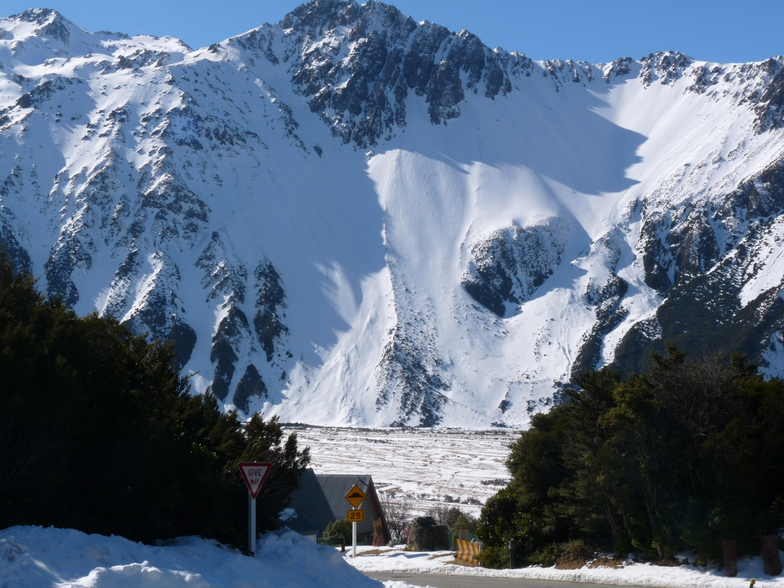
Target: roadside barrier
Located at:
point(468, 551)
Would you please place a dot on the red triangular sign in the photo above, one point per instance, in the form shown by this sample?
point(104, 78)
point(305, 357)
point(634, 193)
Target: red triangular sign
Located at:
point(254, 475)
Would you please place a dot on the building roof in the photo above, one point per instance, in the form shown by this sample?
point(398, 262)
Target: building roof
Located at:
point(321, 498)
point(308, 500)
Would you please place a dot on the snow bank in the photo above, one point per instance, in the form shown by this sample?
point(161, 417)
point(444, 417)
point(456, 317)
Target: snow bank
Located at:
point(34, 557)
point(632, 574)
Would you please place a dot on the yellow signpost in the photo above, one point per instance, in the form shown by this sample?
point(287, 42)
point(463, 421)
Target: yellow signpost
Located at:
point(355, 496)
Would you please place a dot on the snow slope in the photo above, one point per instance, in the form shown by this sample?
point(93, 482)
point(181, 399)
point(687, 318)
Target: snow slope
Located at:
point(349, 218)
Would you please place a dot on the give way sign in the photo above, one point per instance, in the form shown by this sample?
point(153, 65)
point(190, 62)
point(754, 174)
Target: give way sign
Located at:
point(254, 475)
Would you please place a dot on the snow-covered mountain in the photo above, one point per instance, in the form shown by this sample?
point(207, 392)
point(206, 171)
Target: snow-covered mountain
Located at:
point(349, 217)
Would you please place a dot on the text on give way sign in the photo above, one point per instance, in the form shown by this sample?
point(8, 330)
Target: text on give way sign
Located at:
point(254, 475)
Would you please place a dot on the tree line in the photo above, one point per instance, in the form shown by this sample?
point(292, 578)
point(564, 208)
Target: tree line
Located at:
point(682, 457)
point(99, 431)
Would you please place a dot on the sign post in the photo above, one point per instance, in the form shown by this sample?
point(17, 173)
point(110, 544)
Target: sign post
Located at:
point(355, 497)
point(254, 475)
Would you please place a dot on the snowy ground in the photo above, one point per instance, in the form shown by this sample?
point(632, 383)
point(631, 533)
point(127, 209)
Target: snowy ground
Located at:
point(428, 467)
point(632, 574)
point(33, 557)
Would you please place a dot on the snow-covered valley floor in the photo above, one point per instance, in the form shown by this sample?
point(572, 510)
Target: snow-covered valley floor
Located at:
point(427, 467)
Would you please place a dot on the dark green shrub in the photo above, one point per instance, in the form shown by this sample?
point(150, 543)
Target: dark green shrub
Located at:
point(573, 554)
point(495, 557)
point(464, 521)
point(339, 529)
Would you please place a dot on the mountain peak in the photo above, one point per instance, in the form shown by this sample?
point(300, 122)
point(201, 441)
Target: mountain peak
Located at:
point(357, 64)
point(39, 34)
point(48, 23)
point(317, 13)
point(666, 66)
point(39, 15)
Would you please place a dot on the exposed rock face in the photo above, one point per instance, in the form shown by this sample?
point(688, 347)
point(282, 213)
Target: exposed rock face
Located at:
point(358, 81)
point(229, 282)
point(701, 265)
point(269, 306)
point(606, 298)
point(50, 22)
point(770, 108)
point(664, 67)
point(412, 375)
point(251, 385)
point(161, 317)
point(425, 535)
point(510, 264)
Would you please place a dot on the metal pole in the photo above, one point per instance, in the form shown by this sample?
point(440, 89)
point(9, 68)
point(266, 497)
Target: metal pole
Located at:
point(251, 524)
point(354, 538)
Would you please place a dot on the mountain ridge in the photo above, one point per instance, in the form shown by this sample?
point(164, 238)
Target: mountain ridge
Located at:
point(349, 217)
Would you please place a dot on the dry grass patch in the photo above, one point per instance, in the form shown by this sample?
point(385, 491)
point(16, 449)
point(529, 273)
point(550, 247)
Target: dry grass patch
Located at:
point(569, 562)
point(669, 562)
point(372, 551)
point(460, 562)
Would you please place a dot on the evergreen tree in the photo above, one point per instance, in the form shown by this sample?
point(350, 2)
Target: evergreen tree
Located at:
point(683, 456)
point(98, 431)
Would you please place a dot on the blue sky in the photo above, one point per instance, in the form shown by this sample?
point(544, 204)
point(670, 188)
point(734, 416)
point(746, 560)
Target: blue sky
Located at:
point(590, 30)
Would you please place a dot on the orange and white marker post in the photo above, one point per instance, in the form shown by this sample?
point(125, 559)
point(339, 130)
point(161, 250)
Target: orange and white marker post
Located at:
point(254, 475)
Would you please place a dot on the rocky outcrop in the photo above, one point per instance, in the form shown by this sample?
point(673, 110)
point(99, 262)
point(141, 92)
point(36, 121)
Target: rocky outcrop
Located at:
point(425, 534)
point(770, 106)
point(509, 264)
point(700, 266)
point(606, 297)
point(161, 314)
point(270, 303)
point(411, 375)
point(664, 67)
point(375, 57)
point(228, 282)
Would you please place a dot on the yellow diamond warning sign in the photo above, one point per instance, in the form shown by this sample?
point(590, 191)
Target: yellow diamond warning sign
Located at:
point(355, 496)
